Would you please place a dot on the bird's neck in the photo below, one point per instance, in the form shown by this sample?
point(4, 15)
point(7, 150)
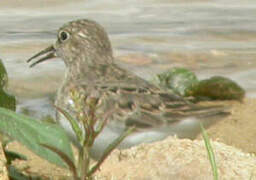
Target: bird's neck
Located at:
point(89, 68)
point(85, 73)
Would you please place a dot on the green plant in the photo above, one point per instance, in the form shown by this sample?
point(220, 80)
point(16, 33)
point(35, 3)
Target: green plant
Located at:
point(210, 153)
point(51, 142)
point(32, 133)
point(91, 124)
point(6, 100)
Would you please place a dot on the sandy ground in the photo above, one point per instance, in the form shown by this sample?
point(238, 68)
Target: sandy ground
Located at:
point(179, 159)
point(237, 130)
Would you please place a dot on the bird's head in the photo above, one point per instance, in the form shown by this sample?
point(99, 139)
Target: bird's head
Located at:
point(78, 42)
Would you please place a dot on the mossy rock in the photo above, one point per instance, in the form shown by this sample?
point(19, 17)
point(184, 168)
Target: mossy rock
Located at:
point(6, 100)
point(218, 88)
point(180, 80)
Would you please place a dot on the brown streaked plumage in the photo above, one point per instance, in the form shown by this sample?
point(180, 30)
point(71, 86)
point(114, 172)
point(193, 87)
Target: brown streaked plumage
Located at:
point(85, 48)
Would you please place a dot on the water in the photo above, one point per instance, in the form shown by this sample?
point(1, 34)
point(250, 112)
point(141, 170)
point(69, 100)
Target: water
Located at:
point(210, 38)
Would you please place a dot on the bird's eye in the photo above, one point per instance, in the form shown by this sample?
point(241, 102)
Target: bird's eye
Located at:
point(63, 35)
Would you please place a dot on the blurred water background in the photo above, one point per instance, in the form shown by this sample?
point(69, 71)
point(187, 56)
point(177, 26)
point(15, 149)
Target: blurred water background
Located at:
point(208, 37)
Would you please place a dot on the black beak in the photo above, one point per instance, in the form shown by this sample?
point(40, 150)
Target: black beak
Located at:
point(50, 53)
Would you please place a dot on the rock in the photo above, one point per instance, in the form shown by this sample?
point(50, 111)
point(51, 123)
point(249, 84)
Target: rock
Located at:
point(218, 88)
point(3, 169)
point(185, 83)
point(177, 159)
point(180, 80)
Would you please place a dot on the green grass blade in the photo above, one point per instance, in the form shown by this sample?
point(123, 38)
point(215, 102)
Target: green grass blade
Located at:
point(32, 133)
point(210, 153)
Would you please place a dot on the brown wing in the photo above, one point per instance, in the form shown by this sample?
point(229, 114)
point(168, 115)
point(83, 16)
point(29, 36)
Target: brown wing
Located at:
point(147, 107)
point(137, 102)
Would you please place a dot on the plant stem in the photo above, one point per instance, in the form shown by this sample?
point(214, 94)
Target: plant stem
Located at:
point(109, 149)
point(84, 161)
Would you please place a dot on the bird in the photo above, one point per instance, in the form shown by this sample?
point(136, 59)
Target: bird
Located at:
point(86, 50)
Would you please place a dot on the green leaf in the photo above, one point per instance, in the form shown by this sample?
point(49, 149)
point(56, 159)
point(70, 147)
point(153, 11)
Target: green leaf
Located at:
point(210, 153)
point(7, 101)
point(32, 133)
point(66, 159)
point(14, 174)
point(3, 75)
point(11, 156)
point(74, 123)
